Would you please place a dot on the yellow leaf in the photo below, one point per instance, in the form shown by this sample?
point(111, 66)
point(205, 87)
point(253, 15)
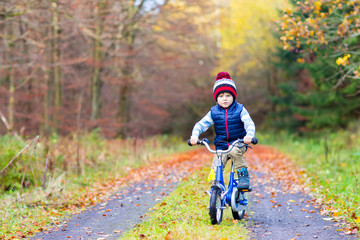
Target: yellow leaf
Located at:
point(335, 214)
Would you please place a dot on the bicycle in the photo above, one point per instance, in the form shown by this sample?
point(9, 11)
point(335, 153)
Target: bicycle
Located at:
point(219, 195)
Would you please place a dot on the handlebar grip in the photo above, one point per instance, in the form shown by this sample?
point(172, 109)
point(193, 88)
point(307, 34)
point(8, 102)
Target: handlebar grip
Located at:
point(199, 141)
point(206, 140)
point(254, 140)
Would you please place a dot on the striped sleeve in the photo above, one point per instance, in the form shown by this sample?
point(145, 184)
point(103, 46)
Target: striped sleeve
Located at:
point(248, 123)
point(202, 125)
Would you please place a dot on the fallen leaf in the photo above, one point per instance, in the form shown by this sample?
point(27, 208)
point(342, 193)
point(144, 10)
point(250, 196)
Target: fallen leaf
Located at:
point(354, 231)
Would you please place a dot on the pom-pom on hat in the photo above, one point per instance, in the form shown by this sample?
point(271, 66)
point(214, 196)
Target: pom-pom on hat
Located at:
point(224, 83)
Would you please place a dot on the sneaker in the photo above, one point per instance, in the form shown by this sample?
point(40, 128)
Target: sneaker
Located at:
point(244, 179)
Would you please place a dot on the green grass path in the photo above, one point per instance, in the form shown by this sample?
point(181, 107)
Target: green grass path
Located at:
point(184, 215)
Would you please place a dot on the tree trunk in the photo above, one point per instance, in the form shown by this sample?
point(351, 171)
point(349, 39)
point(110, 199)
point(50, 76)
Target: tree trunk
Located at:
point(49, 76)
point(97, 54)
point(11, 77)
point(11, 107)
point(55, 49)
point(126, 87)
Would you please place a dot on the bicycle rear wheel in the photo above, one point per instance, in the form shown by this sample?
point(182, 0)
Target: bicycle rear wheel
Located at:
point(216, 210)
point(237, 207)
point(238, 215)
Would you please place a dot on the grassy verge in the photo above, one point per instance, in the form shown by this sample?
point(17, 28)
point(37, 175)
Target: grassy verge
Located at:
point(28, 208)
point(332, 162)
point(184, 215)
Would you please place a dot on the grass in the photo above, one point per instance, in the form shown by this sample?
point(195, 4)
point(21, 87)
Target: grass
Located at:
point(184, 215)
point(25, 210)
point(332, 163)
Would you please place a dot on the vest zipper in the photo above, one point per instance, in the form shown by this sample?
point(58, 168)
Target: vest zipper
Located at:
point(227, 129)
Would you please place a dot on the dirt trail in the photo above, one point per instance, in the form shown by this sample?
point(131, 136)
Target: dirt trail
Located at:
point(143, 188)
point(279, 208)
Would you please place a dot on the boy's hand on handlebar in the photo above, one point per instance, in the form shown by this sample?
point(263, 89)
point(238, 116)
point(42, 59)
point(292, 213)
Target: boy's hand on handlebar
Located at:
point(193, 140)
point(247, 139)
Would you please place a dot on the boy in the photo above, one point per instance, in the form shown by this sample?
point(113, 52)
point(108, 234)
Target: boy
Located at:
point(232, 121)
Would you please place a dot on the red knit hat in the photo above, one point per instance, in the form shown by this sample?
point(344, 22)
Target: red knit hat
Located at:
point(224, 83)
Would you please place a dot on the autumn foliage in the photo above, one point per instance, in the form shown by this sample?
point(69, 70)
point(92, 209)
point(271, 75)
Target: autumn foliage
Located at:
point(315, 25)
point(125, 67)
point(320, 65)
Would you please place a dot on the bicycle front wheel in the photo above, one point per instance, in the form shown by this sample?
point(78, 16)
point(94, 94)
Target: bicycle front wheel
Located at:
point(216, 210)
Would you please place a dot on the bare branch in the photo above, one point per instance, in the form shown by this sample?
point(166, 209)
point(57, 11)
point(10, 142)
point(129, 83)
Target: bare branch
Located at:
point(17, 155)
point(3, 118)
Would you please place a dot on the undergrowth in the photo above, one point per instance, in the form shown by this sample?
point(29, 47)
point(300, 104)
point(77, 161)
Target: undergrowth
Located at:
point(76, 170)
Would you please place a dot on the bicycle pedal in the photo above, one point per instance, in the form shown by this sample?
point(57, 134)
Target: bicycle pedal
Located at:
point(246, 189)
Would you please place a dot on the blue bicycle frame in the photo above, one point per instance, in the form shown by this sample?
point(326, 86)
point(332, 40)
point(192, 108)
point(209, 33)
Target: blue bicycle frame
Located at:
point(219, 195)
point(220, 183)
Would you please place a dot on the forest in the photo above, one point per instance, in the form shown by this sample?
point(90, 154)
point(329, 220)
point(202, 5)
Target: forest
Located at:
point(146, 67)
point(86, 84)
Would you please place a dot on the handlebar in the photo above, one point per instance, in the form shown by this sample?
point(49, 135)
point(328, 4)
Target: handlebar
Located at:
point(205, 142)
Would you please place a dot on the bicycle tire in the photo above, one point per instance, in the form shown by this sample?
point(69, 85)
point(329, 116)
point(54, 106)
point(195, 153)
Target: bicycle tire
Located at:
point(216, 210)
point(237, 210)
point(238, 215)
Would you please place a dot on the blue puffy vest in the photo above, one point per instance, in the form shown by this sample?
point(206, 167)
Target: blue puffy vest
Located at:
point(228, 124)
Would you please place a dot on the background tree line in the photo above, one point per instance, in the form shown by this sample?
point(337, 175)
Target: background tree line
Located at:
point(137, 68)
point(121, 66)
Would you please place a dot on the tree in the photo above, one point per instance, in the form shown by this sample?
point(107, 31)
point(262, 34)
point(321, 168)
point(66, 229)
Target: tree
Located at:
point(323, 35)
point(328, 29)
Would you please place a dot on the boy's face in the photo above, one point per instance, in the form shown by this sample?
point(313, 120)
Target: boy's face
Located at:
point(225, 99)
